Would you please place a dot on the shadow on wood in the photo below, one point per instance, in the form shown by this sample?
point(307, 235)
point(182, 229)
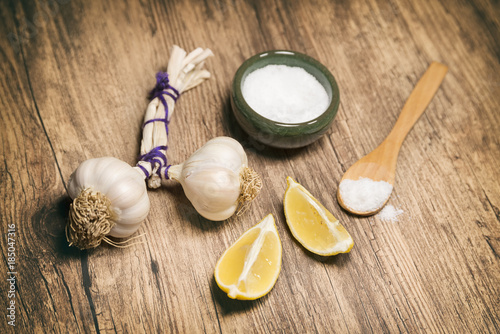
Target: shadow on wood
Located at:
point(49, 224)
point(186, 211)
point(230, 306)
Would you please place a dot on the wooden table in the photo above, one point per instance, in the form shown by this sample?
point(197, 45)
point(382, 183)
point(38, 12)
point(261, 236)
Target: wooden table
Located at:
point(75, 77)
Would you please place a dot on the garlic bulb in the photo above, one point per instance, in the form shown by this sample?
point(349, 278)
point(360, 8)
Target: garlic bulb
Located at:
point(216, 178)
point(109, 198)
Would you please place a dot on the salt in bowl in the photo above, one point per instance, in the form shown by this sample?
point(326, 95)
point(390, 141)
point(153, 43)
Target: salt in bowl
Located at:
point(275, 133)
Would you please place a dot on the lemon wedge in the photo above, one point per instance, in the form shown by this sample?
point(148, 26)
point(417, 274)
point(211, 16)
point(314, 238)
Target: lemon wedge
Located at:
point(313, 225)
point(250, 267)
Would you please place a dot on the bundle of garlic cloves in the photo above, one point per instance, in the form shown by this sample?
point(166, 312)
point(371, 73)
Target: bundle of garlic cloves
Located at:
point(110, 197)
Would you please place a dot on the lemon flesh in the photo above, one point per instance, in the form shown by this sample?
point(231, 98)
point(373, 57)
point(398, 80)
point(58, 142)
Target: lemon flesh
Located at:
point(312, 224)
point(249, 268)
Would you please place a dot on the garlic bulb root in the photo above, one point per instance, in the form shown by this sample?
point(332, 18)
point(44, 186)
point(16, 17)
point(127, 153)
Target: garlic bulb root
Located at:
point(90, 220)
point(250, 186)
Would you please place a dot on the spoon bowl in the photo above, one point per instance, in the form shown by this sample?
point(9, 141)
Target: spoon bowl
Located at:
point(380, 164)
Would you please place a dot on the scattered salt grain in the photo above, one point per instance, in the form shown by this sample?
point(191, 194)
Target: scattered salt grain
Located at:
point(286, 94)
point(364, 194)
point(389, 213)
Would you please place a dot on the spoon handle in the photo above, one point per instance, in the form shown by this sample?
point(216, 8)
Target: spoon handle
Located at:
point(418, 101)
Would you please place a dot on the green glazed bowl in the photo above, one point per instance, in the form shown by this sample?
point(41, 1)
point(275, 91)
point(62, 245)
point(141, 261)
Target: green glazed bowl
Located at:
point(276, 134)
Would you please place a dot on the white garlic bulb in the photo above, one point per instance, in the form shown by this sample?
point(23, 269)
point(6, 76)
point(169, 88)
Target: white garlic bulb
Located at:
point(109, 199)
point(216, 178)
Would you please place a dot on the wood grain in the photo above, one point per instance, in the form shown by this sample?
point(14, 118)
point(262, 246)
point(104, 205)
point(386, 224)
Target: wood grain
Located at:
point(75, 76)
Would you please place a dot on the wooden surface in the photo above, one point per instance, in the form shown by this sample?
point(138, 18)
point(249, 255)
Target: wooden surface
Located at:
point(74, 82)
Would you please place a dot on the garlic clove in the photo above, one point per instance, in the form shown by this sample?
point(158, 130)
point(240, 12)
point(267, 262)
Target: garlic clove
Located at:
point(81, 178)
point(125, 190)
point(221, 151)
point(137, 212)
point(228, 152)
point(122, 231)
point(217, 216)
point(110, 173)
point(213, 191)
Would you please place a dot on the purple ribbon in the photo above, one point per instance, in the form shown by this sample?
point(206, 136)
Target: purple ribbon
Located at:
point(161, 88)
point(156, 156)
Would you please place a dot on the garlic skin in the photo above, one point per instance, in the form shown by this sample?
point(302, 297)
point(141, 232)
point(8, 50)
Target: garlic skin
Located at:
point(122, 184)
point(210, 177)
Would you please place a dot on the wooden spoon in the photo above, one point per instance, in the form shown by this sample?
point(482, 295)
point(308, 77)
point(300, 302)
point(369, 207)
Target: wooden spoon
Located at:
point(380, 164)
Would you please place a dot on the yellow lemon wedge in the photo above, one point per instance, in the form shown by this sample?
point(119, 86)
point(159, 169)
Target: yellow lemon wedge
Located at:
point(250, 267)
point(313, 225)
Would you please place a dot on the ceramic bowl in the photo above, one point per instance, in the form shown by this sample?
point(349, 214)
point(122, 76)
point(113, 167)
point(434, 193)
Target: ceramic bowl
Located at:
point(276, 134)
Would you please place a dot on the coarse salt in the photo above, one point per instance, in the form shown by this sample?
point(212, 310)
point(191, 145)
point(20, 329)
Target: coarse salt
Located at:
point(364, 194)
point(390, 213)
point(286, 94)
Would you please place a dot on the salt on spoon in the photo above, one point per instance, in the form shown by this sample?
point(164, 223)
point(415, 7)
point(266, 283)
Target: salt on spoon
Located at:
point(367, 185)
